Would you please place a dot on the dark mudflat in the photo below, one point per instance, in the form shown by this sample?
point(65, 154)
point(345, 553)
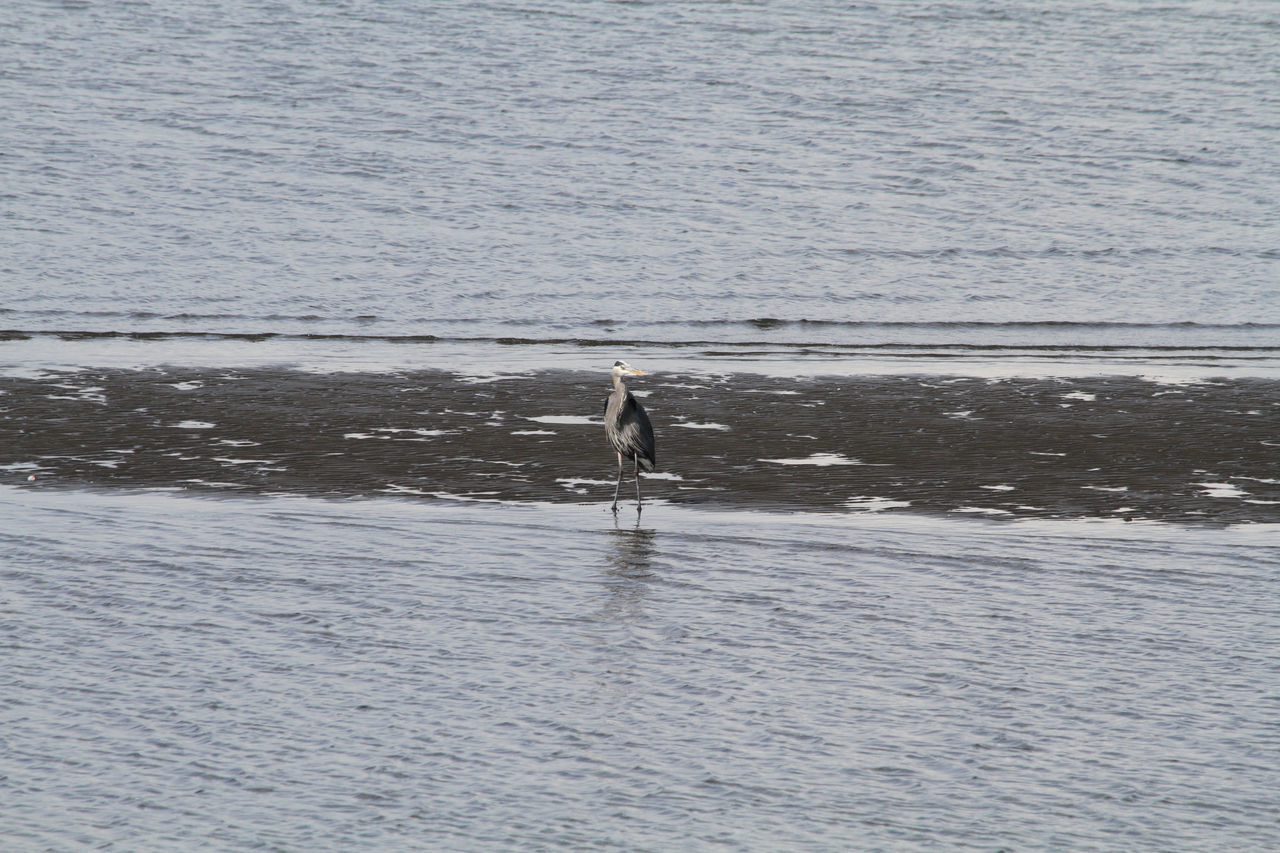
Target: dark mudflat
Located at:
point(1098, 447)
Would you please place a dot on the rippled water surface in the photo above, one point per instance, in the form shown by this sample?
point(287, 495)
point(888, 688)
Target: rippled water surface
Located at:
point(489, 168)
point(306, 313)
point(293, 674)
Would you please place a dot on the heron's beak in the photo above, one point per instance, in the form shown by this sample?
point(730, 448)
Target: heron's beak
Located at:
point(635, 372)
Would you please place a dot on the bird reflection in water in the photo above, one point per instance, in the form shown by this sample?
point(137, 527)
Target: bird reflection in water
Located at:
point(628, 574)
point(623, 623)
point(632, 552)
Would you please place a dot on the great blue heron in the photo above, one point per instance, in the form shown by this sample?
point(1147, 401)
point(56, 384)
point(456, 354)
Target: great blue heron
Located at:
point(628, 429)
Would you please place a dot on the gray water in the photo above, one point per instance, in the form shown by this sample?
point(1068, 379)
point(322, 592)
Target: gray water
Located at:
point(295, 674)
point(643, 170)
point(1013, 225)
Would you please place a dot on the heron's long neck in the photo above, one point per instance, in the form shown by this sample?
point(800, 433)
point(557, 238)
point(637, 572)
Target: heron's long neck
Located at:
point(618, 386)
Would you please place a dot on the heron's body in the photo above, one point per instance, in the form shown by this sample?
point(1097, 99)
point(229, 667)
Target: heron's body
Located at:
point(627, 427)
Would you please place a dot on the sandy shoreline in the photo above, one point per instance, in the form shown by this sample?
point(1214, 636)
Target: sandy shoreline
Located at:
point(1098, 447)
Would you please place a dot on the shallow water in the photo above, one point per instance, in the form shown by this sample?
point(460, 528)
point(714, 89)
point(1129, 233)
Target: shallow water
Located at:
point(289, 673)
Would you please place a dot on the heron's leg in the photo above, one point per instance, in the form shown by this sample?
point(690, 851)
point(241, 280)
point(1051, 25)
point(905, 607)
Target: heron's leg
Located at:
point(638, 506)
point(618, 486)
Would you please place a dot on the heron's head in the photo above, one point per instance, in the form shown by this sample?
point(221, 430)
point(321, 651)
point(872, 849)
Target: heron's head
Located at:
point(621, 368)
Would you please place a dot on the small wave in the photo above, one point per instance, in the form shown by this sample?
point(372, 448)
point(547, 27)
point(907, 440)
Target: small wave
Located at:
point(1012, 252)
point(774, 322)
point(615, 342)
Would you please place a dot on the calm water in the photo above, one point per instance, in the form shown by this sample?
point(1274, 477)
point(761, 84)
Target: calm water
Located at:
point(966, 196)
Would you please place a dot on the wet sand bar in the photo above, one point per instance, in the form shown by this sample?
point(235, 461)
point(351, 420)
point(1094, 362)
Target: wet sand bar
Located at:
point(1097, 447)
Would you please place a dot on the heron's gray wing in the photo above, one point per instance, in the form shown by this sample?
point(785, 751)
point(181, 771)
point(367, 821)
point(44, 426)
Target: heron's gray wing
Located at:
point(636, 433)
